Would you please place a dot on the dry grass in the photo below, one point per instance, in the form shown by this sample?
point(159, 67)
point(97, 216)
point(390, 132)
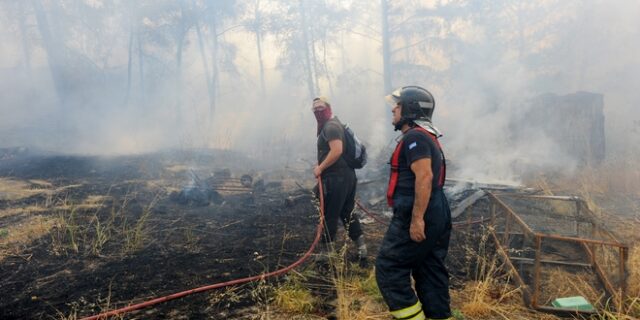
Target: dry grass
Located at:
point(14, 237)
point(492, 298)
point(358, 297)
point(41, 183)
point(490, 295)
point(292, 297)
point(223, 298)
point(621, 175)
point(136, 233)
point(73, 315)
point(32, 220)
point(177, 168)
point(633, 265)
point(17, 211)
point(611, 191)
point(492, 307)
point(92, 202)
point(15, 190)
point(632, 302)
point(631, 311)
point(558, 283)
point(30, 228)
point(66, 231)
point(624, 182)
point(96, 200)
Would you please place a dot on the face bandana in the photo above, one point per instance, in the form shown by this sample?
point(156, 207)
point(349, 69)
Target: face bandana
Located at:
point(322, 116)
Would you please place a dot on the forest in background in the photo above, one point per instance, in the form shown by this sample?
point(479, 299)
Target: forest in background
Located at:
point(120, 77)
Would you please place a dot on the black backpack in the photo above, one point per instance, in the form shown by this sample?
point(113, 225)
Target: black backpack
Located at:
point(354, 152)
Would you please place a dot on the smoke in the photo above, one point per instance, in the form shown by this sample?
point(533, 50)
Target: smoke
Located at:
point(579, 47)
point(120, 91)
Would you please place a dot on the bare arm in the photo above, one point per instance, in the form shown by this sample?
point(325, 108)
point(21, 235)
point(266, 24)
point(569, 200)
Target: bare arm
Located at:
point(335, 151)
point(424, 176)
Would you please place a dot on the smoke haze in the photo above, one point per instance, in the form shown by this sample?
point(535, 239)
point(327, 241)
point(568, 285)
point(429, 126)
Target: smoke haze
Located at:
point(118, 77)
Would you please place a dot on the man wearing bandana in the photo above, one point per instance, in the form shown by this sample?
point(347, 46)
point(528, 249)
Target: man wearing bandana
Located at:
point(338, 179)
point(339, 190)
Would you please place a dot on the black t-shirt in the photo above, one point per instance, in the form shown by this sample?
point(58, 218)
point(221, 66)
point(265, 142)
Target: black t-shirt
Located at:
point(332, 130)
point(417, 145)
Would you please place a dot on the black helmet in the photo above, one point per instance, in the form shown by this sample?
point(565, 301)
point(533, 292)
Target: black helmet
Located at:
point(417, 103)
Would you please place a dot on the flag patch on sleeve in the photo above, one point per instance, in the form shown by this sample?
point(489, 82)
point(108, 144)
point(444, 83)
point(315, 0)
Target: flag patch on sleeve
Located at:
point(413, 145)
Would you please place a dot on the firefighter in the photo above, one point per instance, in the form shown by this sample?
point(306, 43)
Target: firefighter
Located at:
point(417, 240)
point(338, 179)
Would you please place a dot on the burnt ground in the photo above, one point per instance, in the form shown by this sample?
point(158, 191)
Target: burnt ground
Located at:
point(135, 242)
point(122, 230)
point(82, 235)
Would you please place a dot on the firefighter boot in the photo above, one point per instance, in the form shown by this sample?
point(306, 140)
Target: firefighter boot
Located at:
point(363, 260)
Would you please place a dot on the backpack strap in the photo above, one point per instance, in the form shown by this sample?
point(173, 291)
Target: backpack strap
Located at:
point(325, 125)
point(443, 166)
point(395, 162)
point(393, 178)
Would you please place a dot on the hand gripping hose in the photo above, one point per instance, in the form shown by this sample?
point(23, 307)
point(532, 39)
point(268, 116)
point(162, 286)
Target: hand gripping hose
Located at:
point(262, 276)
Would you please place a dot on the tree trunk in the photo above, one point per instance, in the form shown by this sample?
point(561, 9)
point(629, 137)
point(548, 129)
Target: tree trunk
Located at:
point(178, 75)
point(203, 57)
point(24, 36)
point(54, 54)
point(214, 63)
point(519, 11)
point(305, 38)
point(56, 11)
point(141, 68)
point(258, 23)
point(129, 64)
point(326, 66)
point(386, 48)
point(180, 38)
point(314, 57)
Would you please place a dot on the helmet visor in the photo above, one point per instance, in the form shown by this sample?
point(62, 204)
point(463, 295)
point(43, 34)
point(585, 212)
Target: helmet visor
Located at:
point(394, 98)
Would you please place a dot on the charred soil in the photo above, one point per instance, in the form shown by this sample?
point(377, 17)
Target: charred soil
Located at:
point(108, 234)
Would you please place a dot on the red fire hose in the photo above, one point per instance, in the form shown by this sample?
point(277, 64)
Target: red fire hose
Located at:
point(371, 215)
point(177, 295)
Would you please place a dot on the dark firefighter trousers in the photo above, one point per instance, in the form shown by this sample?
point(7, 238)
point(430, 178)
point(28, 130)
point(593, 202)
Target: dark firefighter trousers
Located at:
point(400, 258)
point(339, 200)
point(339, 190)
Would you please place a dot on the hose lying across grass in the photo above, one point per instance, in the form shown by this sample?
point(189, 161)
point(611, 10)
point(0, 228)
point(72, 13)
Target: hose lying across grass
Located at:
point(177, 295)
